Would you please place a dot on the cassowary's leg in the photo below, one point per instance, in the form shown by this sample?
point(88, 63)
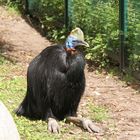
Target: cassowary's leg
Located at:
point(84, 123)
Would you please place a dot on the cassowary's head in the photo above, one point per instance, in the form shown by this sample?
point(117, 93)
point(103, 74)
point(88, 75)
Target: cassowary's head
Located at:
point(76, 38)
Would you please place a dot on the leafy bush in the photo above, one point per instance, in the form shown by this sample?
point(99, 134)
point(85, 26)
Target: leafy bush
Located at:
point(134, 36)
point(100, 24)
point(13, 4)
point(51, 16)
point(99, 19)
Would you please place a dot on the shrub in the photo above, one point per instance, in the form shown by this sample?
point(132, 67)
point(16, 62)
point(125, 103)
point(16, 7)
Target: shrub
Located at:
point(100, 24)
point(99, 19)
point(51, 16)
point(134, 36)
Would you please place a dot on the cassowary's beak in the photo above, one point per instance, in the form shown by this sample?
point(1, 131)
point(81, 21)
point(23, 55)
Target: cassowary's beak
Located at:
point(80, 43)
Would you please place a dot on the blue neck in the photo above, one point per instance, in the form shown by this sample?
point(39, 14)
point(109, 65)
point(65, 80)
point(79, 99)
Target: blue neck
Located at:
point(69, 42)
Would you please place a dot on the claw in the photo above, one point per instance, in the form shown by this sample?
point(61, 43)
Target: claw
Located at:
point(53, 125)
point(89, 126)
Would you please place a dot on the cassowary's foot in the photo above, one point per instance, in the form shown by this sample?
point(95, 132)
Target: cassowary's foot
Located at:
point(84, 123)
point(53, 125)
point(89, 126)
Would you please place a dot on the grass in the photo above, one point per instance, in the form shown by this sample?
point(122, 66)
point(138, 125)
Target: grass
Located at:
point(12, 7)
point(12, 92)
point(98, 113)
point(13, 10)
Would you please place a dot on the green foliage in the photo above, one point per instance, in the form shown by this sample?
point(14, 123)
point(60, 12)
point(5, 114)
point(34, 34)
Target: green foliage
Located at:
point(13, 6)
point(134, 36)
point(2, 60)
point(99, 19)
point(15, 3)
point(51, 16)
point(98, 113)
point(100, 24)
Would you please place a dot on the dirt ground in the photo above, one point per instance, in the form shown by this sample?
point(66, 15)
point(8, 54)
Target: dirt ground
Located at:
point(20, 42)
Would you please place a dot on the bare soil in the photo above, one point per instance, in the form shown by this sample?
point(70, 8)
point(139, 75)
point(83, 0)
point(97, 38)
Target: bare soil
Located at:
point(20, 42)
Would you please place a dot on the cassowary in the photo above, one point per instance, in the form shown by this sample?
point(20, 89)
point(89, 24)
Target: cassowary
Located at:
point(56, 83)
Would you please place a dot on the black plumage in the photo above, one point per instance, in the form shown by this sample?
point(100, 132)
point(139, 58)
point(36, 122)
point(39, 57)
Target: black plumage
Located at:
point(55, 84)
